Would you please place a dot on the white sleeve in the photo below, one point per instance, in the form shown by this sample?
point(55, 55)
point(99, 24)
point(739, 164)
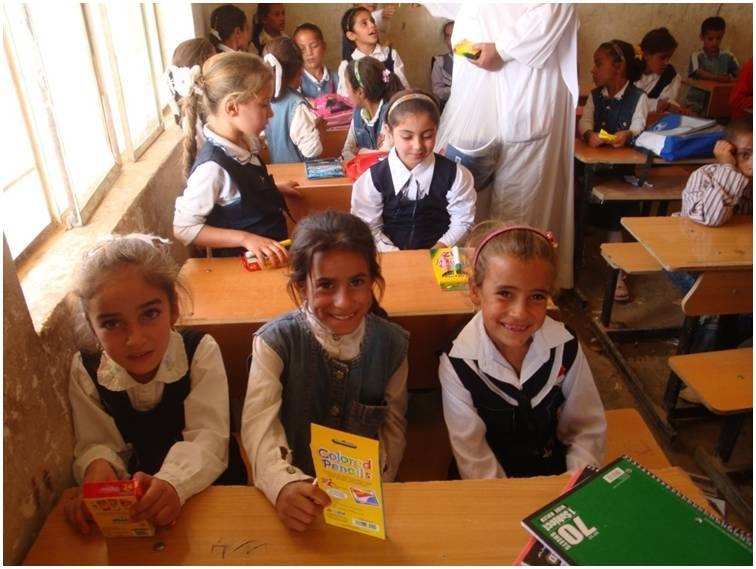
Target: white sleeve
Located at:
point(712, 193)
point(202, 192)
point(461, 206)
point(262, 433)
point(367, 204)
point(350, 149)
point(399, 69)
point(97, 435)
point(392, 431)
point(539, 33)
point(196, 462)
point(586, 120)
point(638, 123)
point(303, 132)
point(467, 431)
point(582, 424)
point(672, 91)
point(342, 88)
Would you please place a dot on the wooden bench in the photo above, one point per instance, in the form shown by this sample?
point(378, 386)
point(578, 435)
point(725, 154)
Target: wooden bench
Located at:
point(627, 433)
point(668, 184)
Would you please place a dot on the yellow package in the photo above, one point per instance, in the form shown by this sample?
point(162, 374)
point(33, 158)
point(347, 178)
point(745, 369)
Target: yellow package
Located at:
point(110, 505)
point(603, 135)
point(465, 49)
point(347, 468)
point(450, 267)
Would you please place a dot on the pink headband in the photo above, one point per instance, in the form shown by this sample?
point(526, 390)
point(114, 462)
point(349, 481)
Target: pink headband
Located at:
point(548, 236)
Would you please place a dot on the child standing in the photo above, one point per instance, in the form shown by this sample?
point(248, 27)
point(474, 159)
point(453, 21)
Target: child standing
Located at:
point(292, 134)
point(442, 67)
point(518, 395)
point(361, 33)
point(317, 79)
point(710, 62)
point(334, 361)
point(230, 202)
point(415, 199)
point(229, 29)
point(615, 105)
point(370, 86)
point(148, 403)
point(659, 80)
point(268, 23)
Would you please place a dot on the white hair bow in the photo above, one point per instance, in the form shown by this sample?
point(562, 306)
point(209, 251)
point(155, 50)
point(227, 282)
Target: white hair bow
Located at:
point(104, 240)
point(183, 80)
point(271, 60)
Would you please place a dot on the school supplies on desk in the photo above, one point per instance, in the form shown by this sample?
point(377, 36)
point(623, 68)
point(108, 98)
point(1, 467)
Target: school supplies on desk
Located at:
point(110, 504)
point(323, 168)
point(347, 468)
point(625, 515)
point(251, 262)
point(450, 266)
point(603, 135)
point(465, 49)
point(675, 136)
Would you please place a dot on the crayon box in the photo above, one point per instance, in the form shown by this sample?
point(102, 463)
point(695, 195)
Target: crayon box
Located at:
point(110, 505)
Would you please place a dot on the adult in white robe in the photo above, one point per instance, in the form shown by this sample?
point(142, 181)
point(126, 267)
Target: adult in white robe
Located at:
point(522, 91)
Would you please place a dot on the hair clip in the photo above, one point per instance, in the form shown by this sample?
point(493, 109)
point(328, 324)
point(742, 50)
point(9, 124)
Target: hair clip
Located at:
point(183, 80)
point(272, 60)
point(356, 69)
point(386, 75)
point(409, 97)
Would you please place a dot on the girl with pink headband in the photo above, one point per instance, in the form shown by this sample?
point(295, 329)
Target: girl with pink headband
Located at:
point(518, 396)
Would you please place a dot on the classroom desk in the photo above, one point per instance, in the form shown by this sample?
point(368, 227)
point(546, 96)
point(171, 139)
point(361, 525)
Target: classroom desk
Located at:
point(718, 99)
point(231, 303)
point(333, 141)
point(680, 244)
point(470, 522)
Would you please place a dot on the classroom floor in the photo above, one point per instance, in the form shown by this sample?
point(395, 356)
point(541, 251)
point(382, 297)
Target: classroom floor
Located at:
point(655, 302)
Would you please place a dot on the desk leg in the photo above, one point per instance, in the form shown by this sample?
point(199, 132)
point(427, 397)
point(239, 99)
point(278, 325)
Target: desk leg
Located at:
point(582, 217)
point(606, 305)
point(728, 436)
point(722, 482)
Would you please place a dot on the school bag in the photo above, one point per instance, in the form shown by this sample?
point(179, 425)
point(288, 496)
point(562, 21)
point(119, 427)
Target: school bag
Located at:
point(335, 109)
point(675, 136)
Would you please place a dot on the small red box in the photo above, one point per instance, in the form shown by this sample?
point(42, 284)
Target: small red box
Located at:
point(110, 504)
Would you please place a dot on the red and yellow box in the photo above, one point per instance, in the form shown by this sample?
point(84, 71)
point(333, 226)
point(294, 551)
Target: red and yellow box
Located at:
point(110, 504)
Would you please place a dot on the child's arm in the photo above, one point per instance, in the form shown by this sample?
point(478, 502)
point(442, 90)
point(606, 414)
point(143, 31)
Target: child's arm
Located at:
point(467, 431)
point(304, 132)
point(461, 207)
point(585, 125)
point(441, 87)
point(637, 124)
point(582, 424)
point(342, 88)
point(350, 149)
point(367, 204)
point(713, 191)
point(392, 432)
point(667, 100)
point(99, 470)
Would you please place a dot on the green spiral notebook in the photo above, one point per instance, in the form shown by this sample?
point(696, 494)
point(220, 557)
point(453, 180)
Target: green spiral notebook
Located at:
point(625, 515)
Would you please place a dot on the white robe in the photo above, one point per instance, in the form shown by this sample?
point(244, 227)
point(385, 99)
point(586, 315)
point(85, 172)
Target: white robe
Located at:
point(528, 105)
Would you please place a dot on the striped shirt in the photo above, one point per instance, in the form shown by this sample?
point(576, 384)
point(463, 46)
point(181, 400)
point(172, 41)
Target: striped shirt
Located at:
point(716, 192)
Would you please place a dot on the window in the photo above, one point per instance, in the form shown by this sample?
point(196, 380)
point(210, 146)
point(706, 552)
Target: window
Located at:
point(82, 89)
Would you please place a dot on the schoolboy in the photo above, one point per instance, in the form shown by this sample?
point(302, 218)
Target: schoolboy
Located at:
point(710, 62)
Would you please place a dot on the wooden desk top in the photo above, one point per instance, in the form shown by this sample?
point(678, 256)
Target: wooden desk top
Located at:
point(679, 244)
point(467, 522)
point(296, 171)
point(607, 154)
point(668, 184)
point(708, 85)
point(223, 292)
point(723, 379)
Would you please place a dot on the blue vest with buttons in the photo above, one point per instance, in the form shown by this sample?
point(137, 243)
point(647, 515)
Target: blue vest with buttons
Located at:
point(313, 89)
point(280, 145)
point(260, 208)
point(365, 134)
point(349, 396)
point(615, 114)
point(415, 224)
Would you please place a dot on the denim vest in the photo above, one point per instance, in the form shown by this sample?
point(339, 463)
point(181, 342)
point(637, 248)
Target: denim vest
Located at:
point(523, 437)
point(349, 396)
point(415, 224)
point(365, 134)
point(312, 89)
point(615, 114)
point(152, 433)
point(280, 145)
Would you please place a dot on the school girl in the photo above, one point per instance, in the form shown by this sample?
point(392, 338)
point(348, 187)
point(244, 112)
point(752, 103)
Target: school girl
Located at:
point(148, 403)
point(518, 395)
point(415, 199)
point(229, 29)
point(268, 23)
point(231, 203)
point(317, 79)
point(660, 80)
point(335, 361)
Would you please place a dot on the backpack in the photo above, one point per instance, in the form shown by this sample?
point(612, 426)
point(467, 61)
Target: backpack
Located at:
point(335, 109)
point(674, 137)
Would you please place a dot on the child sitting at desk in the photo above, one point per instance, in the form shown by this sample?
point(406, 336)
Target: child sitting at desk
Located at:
point(518, 395)
point(292, 133)
point(660, 80)
point(710, 62)
point(335, 361)
point(317, 79)
point(415, 199)
point(148, 403)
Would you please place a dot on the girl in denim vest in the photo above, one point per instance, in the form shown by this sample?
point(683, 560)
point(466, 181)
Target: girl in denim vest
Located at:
point(335, 361)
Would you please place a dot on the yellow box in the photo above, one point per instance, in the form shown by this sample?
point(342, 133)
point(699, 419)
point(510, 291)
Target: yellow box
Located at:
point(110, 504)
point(450, 267)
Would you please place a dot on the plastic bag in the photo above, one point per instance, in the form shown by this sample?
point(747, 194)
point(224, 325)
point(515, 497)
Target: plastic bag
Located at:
point(480, 161)
point(354, 168)
point(674, 137)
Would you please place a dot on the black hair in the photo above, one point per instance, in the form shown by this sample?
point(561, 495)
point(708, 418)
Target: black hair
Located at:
point(347, 23)
point(257, 25)
point(427, 104)
point(621, 51)
point(328, 231)
point(224, 20)
point(657, 41)
point(288, 55)
point(373, 79)
point(307, 26)
point(737, 127)
point(713, 24)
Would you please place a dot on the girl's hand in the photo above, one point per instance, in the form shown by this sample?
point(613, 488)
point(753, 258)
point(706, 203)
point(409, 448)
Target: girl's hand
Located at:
point(622, 136)
point(663, 105)
point(289, 189)
point(592, 139)
point(264, 248)
point(160, 503)
point(299, 503)
point(724, 152)
point(321, 125)
point(99, 470)
point(489, 59)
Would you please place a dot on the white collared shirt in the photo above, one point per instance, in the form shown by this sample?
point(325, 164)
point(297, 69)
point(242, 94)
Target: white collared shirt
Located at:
point(351, 149)
point(210, 184)
point(263, 434)
point(191, 465)
point(670, 93)
point(380, 53)
point(367, 200)
point(640, 113)
point(581, 424)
